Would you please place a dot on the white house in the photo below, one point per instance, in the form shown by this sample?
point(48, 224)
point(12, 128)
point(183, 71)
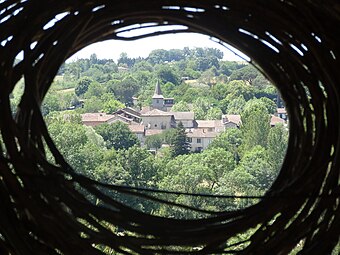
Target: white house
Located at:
point(199, 140)
point(157, 119)
point(187, 118)
point(210, 125)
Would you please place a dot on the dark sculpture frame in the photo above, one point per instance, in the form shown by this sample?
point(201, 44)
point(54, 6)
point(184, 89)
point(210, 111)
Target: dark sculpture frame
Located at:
point(294, 43)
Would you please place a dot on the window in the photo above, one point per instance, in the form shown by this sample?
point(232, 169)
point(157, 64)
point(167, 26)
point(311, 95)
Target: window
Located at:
point(198, 149)
point(199, 140)
point(189, 139)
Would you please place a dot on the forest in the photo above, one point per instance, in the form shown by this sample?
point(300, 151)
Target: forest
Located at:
point(239, 162)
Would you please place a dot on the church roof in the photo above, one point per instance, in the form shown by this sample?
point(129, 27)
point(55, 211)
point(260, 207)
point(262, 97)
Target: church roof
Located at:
point(156, 112)
point(158, 91)
point(184, 115)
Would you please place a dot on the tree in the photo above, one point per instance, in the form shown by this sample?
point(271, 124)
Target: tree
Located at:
point(247, 73)
point(270, 105)
point(51, 103)
point(256, 163)
point(218, 162)
point(112, 105)
point(180, 107)
point(154, 141)
point(277, 145)
point(219, 91)
point(125, 60)
point(95, 89)
point(214, 113)
point(201, 107)
point(207, 77)
point(255, 125)
point(180, 145)
point(229, 140)
point(83, 85)
point(235, 106)
point(93, 104)
point(158, 56)
point(167, 73)
point(240, 88)
point(125, 90)
point(117, 135)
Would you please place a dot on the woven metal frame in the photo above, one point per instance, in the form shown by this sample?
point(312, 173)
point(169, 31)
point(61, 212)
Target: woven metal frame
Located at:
point(295, 43)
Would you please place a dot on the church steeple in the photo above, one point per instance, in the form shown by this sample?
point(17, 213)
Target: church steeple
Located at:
point(158, 91)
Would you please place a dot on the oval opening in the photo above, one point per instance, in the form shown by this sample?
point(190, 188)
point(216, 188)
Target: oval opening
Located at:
point(116, 119)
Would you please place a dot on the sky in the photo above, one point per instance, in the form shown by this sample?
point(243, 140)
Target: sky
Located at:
point(111, 49)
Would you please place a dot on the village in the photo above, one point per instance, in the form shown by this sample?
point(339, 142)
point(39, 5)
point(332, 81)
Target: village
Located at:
point(158, 117)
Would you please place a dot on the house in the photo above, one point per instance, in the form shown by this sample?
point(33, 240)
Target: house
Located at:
point(139, 131)
point(274, 120)
point(187, 118)
point(210, 125)
point(234, 120)
point(200, 140)
point(130, 114)
point(94, 119)
point(157, 119)
point(282, 113)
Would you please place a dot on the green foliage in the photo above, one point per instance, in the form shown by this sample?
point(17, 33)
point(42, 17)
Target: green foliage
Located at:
point(154, 141)
point(117, 135)
point(270, 105)
point(201, 107)
point(112, 105)
point(236, 105)
point(167, 73)
point(214, 113)
point(124, 60)
point(93, 104)
point(180, 107)
point(255, 125)
point(239, 88)
point(179, 144)
point(277, 145)
point(247, 73)
point(83, 85)
point(229, 140)
point(256, 163)
point(125, 90)
point(219, 91)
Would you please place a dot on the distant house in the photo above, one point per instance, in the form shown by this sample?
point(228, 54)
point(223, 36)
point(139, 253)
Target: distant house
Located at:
point(149, 132)
point(210, 125)
point(157, 119)
point(130, 114)
point(94, 119)
point(234, 120)
point(274, 120)
point(139, 131)
point(187, 118)
point(200, 140)
point(282, 113)
point(231, 120)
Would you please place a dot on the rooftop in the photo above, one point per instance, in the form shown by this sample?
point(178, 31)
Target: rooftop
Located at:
point(156, 112)
point(183, 115)
point(96, 117)
point(136, 128)
point(209, 123)
point(200, 134)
